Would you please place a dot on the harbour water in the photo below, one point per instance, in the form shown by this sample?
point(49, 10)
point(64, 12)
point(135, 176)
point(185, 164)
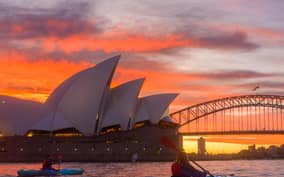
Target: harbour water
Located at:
point(240, 168)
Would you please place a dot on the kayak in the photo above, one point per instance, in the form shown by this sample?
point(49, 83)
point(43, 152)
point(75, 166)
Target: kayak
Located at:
point(31, 173)
point(71, 171)
point(50, 172)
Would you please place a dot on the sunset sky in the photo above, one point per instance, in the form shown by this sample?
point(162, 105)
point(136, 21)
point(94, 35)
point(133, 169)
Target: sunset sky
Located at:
point(201, 50)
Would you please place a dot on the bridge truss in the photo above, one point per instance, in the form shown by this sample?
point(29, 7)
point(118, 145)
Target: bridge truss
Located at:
point(234, 115)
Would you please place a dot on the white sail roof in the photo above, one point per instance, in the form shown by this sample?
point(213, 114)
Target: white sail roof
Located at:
point(18, 115)
point(165, 115)
point(51, 105)
point(122, 104)
point(52, 122)
point(80, 104)
point(55, 97)
point(153, 107)
point(105, 100)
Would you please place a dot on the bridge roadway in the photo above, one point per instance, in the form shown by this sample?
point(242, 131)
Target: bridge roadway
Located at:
point(235, 132)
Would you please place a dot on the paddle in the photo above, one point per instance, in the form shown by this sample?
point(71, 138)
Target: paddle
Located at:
point(59, 157)
point(168, 143)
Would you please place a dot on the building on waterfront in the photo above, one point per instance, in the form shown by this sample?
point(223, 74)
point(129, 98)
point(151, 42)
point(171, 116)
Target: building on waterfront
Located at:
point(252, 148)
point(201, 146)
point(84, 114)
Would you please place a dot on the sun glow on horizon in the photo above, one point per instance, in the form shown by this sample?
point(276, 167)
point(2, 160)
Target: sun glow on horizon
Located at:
point(231, 143)
point(215, 147)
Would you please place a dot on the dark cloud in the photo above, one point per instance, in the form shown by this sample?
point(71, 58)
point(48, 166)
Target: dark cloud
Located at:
point(237, 74)
point(38, 53)
point(236, 40)
point(65, 19)
point(192, 22)
point(83, 55)
point(136, 62)
point(205, 37)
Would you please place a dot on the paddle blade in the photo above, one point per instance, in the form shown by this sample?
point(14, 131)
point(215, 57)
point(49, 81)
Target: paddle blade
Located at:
point(168, 143)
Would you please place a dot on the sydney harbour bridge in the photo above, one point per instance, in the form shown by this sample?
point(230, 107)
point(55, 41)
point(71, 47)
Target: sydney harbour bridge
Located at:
point(246, 114)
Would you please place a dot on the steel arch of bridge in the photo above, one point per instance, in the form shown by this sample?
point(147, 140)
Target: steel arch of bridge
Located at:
point(196, 112)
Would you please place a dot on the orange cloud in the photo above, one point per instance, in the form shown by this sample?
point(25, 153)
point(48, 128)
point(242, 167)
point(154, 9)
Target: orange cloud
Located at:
point(127, 43)
point(33, 80)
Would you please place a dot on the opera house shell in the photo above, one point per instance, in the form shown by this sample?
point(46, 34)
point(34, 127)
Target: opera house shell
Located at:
point(85, 105)
point(86, 102)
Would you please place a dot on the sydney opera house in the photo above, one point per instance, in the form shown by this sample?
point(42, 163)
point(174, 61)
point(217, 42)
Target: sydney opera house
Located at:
point(84, 119)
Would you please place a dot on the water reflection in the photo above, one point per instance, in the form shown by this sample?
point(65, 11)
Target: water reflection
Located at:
point(252, 168)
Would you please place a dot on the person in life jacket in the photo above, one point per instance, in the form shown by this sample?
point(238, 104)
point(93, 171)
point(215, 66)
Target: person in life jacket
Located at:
point(47, 164)
point(182, 168)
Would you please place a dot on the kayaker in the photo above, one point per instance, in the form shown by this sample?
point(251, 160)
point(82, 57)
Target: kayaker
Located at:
point(47, 164)
point(182, 168)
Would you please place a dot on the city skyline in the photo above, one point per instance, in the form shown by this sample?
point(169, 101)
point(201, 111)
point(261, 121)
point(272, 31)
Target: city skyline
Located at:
point(217, 144)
